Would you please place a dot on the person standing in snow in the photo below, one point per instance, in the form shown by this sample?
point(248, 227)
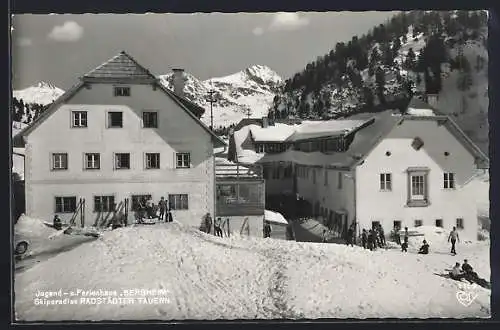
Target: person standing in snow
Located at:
point(350, 234)
point(453, 238)
point(267, 229)
point(162, 205)
point(217, 224)
point(404, 246)
point(371, 240)
point(382, 235)
point(364, 238)
point(323, 237)
point(208, 223)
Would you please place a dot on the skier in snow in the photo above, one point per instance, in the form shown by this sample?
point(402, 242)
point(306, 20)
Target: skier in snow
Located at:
point(57, 222)
point(162, 205)
point(453, 238)
point(364, 238)
point(424, 249)
point(217, 224)
point(456, 273)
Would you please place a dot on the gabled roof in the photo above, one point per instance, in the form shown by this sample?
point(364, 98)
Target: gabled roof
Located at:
point(120, 68)
point(137, 75)
point(193, 107)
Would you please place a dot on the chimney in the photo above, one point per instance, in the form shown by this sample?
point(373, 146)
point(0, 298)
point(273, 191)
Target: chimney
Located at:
point(179, 81)
point(432, 100)
point(265, 122)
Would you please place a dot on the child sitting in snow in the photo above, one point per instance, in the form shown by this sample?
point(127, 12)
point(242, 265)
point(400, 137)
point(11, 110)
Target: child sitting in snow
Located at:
point(424, 249)
point(456, 273)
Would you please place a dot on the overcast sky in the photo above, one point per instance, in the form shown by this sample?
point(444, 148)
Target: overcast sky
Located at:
point(60, 48)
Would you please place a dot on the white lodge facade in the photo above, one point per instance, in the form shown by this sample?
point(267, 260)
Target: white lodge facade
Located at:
point(119, 135)
point(389, 168)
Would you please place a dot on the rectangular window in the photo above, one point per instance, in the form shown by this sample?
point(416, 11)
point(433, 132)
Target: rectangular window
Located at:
point(92, 161)
point(375, 224)
point(439, 223)
point(417, 187)
point(59, 161)
point(178, 202)
point(460, 223)
point(183, 160)
point(397, 224)
point(150, 119)
point(122, 91)
point(104, 203)
point(152, 160)
point(79, 118)
point(65, 205)
point(326, 177)
point(385, 182)
point(449, 181)
point(260, 148)
point(122, 161)
point(339, 179)
point(115, 119)
point(419, 223)
point(137, 200)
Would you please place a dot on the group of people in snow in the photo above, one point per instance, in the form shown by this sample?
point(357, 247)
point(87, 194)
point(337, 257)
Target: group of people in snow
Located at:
point(148, 210)
point(207, 224)
point(466, 272)
point(373, 238)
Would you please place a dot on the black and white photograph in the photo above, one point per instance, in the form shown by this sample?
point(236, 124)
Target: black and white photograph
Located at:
point(250, 166)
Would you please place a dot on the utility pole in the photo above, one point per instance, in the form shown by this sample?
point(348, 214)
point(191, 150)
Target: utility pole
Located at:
point(212, 100)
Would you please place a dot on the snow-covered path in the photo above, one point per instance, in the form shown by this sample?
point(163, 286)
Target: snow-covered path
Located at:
point(208, 277)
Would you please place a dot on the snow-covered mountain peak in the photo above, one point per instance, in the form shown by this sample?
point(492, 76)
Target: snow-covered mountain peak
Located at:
point(247, 92)
point(44, 84)
point(42, 93)
point(263, 72)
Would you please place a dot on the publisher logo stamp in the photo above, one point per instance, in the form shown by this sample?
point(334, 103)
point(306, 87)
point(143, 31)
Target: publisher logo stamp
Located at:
point(467, 293)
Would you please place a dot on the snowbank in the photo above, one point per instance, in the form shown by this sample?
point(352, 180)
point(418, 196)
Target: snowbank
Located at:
point(31, 228)
point(207, 277)
point(275, 217)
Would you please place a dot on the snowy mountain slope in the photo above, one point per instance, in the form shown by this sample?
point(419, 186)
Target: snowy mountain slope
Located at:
point(246, 93)
point(200, 276)
point(42, 93)
point(324, 89)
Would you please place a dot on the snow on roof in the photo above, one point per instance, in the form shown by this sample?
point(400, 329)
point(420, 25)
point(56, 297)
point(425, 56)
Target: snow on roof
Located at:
point(420, 112)
point(275, 133)
point(274, 217)
point(315, 129)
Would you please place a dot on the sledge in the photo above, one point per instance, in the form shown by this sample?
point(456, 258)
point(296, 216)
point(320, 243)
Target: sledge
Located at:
point(51, 225)
point(481, 282)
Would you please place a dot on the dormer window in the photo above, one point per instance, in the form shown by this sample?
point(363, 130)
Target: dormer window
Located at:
point(122, 91)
